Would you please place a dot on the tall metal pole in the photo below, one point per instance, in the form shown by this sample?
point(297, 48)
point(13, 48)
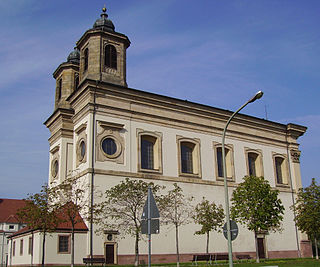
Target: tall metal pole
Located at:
point(2, 248)
point(149, 225)
point(257, 96)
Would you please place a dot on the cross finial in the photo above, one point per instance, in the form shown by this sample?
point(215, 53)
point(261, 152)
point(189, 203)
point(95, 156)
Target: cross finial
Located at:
point(104, 9)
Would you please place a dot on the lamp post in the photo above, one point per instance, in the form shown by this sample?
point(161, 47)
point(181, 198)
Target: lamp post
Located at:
point(254, 98)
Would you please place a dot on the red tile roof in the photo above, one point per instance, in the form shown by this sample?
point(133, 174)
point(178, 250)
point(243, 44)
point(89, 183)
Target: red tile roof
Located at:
point(9, 208)
point(66, 225)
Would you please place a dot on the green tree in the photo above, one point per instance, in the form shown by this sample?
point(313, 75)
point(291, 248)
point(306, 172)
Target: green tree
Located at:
point(307, 209)
point(123, 208)
point(256, 205)
point(176, 209)
point(73, 201)
point(40, 213)
point(210, 217)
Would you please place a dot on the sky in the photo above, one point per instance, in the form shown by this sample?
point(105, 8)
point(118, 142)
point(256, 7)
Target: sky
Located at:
point(212, 52)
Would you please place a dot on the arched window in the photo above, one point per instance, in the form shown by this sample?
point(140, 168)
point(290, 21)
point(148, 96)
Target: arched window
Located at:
point(252, 158)
point(278, 163)
point(281, 169)
point(110, 57)
point(86, 59)
point(186, 157)
point(59, 89)
point(76, 81)
point(147, 152)
point(220, 163)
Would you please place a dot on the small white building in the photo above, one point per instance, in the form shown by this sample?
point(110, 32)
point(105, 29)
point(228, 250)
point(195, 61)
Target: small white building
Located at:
point(26, 245)
point(9, 224)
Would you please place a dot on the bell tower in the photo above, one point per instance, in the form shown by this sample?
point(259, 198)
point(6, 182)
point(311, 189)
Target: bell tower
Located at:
point(67, 79)
point(103, 53)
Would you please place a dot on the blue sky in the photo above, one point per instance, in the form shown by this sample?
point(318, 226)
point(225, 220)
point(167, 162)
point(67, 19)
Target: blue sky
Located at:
point(213, 52)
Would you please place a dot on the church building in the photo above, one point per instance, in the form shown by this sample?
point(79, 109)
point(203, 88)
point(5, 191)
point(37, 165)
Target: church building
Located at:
point(104, 132)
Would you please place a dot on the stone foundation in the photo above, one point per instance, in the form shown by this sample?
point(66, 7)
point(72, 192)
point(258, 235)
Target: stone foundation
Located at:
point(306, 249)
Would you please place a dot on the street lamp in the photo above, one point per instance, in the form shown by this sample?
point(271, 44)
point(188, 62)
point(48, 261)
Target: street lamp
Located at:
point(254, 98)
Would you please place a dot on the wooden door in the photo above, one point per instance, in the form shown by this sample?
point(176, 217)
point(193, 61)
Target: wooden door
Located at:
point(109, 253)
point(261, 250)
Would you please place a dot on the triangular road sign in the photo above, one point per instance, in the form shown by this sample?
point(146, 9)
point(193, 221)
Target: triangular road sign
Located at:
point(154, 212)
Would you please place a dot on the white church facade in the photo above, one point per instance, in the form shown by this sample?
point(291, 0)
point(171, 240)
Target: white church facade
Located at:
point(104, 131)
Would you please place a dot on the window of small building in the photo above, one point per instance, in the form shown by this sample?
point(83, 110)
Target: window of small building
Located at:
point(30, 247)
point(86, 59)
point(63, 244)
point(11, 227)
point(21, 246)
point(110, 57)
point(14, 248)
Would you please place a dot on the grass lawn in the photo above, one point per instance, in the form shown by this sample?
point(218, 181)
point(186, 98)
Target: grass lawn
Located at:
point(271, 262)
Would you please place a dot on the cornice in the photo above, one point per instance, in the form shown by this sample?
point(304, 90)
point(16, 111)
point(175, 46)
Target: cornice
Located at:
point(63, 66)
point(171, 112)
point(99, 32)
point(158, 177)
point(66, 113)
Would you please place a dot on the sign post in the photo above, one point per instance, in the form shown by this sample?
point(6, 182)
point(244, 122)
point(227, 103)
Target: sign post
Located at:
point(150, 220)
point(233, 229)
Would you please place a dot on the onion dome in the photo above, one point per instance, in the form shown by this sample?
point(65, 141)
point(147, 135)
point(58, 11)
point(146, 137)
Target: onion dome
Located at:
point(104, 23)
point(74, 56)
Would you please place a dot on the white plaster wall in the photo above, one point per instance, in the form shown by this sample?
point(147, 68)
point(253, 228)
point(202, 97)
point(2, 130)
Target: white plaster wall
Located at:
point(189, 243)
point(51, 250)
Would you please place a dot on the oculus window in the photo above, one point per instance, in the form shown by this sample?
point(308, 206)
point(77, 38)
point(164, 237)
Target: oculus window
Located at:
point(55, 168)
point(81, 145)
point(110, 142)
point(82, 149)
point(109, 146)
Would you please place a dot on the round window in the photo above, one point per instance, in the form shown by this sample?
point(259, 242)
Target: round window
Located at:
point(55, 168)
point(82, 150)
point(109, 146)
point(109, 237)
